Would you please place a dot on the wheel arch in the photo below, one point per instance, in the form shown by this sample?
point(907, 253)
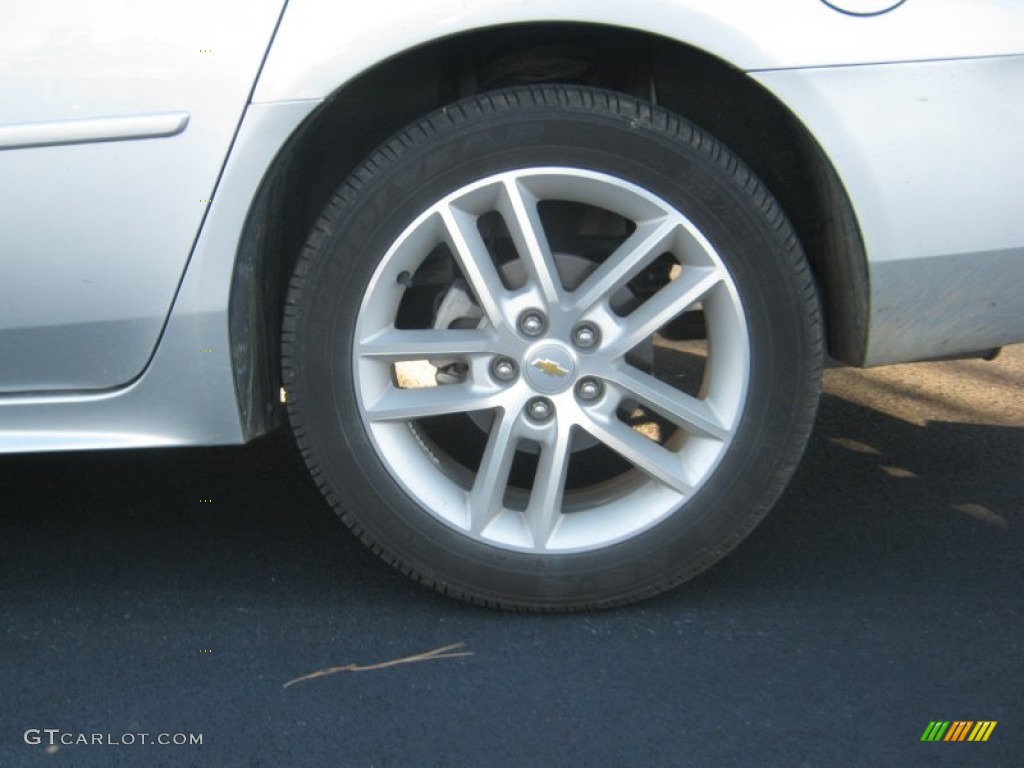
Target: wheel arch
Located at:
point(367, 109)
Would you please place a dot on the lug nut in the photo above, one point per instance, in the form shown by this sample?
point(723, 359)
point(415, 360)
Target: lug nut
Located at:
point(585, 335)
point(532, 323)
point(540, 409)
point(588, 389)
point(504, 368)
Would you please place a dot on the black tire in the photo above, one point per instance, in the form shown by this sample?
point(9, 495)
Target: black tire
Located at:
point(603, 132)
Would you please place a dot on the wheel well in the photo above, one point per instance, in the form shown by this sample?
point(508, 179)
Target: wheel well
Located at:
point(364, 112)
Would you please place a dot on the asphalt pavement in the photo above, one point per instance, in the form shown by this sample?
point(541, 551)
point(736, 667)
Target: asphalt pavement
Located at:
point(175, 593)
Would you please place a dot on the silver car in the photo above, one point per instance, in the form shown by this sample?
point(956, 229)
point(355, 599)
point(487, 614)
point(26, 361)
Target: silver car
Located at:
point(544, 290)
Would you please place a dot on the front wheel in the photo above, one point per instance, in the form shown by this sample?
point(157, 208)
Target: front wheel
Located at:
point(552, 348)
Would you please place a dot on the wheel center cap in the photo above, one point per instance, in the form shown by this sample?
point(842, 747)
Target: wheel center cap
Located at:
point(550, 368)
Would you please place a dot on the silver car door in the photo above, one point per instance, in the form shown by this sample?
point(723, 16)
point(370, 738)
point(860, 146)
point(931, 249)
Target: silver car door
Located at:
point(115, 120)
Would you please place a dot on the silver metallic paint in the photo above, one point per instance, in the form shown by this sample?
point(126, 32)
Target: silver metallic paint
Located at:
point(185, 396)
point(86, 130)
point(122, 57)
point(321, 44)
point(931, 156)
point(96, 235)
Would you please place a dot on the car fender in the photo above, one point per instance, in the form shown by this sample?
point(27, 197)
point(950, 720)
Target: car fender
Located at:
point(320, 45)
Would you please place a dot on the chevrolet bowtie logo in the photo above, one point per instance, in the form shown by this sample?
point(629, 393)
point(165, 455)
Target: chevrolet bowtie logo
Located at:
point(550, 367)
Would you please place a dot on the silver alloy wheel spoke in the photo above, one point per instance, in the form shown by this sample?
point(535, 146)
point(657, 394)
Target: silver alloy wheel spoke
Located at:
point(392, 344)
point(488, 492)
point(418, 403)
point(545, 507)
point(471, 254)
point(493, 500)
point(523, 221)
point(672, 300)
point(690, 413)
point(659, 463)
point(648, 240)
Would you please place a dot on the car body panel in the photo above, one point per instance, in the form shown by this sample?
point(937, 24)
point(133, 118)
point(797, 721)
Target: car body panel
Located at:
point(186, 396)
point(115, 120)
point(322, 44)
point(890, 148)
point(935, 192)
